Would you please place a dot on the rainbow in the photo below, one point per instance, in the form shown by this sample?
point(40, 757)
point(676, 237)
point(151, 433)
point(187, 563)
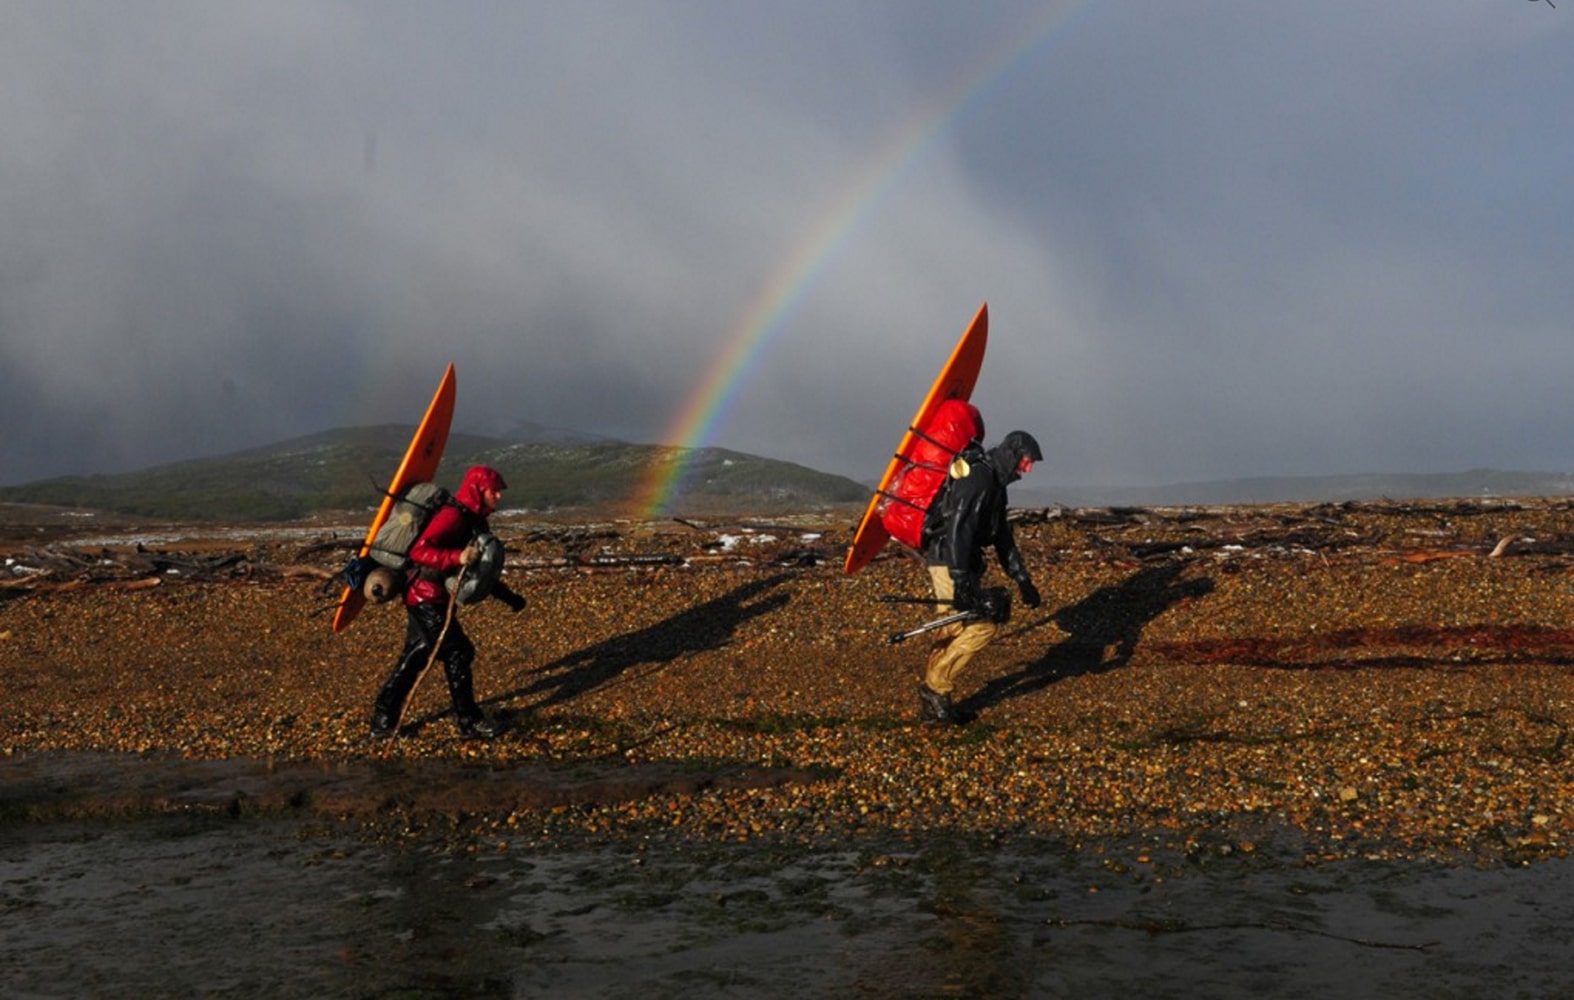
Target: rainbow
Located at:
point(769, 312)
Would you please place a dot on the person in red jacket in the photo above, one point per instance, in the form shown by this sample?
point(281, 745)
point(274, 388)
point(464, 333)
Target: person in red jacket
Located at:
point(448, 543)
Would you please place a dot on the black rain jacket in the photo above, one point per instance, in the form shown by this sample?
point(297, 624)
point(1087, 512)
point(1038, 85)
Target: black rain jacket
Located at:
point(969, 515)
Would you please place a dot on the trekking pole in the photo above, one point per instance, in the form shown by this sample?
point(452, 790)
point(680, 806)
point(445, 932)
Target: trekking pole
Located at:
point(448, 619)
point(960, 616)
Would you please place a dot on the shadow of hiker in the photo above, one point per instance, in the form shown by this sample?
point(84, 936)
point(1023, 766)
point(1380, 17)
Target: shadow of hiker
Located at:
point(704, 626)
point(1112, 616)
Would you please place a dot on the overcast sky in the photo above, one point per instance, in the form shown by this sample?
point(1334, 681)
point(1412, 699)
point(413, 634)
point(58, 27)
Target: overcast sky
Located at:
point(1218, 238)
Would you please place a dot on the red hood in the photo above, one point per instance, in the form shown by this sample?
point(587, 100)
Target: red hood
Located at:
point(478, 478)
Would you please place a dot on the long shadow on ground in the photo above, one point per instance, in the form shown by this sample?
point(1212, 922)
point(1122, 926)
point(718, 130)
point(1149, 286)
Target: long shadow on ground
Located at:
point(705, 626)
point(1102, 632)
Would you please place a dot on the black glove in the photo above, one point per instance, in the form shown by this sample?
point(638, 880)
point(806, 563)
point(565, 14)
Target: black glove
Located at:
point(995, 605)
point(964, 591)
point(1029, 592)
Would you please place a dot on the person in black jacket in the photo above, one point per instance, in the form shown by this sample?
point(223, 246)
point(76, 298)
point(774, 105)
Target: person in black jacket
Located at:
point(967, 517)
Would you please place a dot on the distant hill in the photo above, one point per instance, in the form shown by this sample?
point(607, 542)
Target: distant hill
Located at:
point(553, 468)
point(1307, 489)
point(344, 470)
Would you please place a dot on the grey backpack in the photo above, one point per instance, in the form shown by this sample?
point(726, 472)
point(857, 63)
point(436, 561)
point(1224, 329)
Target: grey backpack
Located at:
point(411, 512)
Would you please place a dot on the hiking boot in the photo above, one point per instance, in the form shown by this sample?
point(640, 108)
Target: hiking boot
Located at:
point(479, 728)
point(383, 726)
point(936, 707)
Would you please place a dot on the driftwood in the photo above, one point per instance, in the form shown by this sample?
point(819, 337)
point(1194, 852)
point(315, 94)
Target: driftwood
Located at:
point(58, 567)
point(329, 545)
point(1428, 555)
point(43, 584)
point(595, 562)
point(571, 538)
point(1385, 531)
point(793, 557)
point(1375, 532)
point(746, 526)
point(1514, 546)
point(309, 572)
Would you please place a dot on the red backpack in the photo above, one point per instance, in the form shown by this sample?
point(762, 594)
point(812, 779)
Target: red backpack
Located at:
point(941, 439)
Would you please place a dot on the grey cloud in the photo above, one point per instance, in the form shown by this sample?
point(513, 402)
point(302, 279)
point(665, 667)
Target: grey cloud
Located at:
point(1217, 238)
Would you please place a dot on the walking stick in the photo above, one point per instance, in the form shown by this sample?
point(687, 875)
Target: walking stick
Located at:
point(448, 619)
point(960, 616)
point(995, 605)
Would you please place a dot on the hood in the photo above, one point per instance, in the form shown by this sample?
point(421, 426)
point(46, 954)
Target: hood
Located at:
point(1008, 454)
point(478, 478)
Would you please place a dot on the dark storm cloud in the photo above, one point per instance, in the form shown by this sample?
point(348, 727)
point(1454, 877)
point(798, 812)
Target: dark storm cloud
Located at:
point(1314, 240)
point(1217, 238)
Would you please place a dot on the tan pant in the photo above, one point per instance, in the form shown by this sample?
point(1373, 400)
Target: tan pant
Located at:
point(952, 646)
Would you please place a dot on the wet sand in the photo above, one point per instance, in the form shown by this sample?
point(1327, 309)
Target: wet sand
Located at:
point(1279, 750)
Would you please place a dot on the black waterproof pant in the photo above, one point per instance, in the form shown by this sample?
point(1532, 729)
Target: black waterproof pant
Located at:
point(456, 654)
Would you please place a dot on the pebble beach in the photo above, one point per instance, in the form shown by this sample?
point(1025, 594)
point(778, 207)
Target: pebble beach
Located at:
point(1356, 680)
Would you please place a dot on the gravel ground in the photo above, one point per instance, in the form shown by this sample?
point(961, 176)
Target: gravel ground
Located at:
point(1372, 681)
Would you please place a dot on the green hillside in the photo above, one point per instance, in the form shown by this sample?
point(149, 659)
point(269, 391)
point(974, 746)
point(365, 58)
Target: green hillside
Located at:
point(345, 469)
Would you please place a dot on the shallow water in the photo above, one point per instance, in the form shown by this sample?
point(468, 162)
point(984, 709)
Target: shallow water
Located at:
point(223, 907)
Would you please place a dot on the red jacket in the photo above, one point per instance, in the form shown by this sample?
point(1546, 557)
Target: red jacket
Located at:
point(436, 552)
